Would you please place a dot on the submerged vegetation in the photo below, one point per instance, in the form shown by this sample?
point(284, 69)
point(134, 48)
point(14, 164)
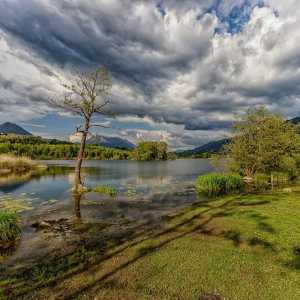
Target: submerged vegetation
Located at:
point(105, 190)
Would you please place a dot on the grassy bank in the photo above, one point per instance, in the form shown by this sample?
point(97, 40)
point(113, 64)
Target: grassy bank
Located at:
point(16, 164)
point(240, 247)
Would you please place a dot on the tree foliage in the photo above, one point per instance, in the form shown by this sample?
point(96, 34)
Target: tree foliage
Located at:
point(263, 143)
point(38, 148)
point(151, 150)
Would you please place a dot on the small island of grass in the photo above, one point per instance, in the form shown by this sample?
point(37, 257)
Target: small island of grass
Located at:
point(10, 164)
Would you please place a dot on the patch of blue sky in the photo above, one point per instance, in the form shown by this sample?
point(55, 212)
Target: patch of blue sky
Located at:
point(160, 8)
point(61, 127)
point(235, 19)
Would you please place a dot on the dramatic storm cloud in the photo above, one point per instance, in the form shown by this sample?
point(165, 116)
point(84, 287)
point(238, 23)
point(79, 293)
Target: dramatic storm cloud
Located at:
point(182, 70)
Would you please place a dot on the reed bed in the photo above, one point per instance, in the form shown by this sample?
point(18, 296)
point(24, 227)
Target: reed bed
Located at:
point(9, 227)
point(16, 164)
point(216, 184)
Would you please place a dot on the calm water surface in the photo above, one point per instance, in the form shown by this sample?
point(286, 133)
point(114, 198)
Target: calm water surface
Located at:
point(128, 177)
point(147, 191)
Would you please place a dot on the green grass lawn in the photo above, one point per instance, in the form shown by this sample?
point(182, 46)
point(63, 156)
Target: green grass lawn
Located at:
point(241, 247)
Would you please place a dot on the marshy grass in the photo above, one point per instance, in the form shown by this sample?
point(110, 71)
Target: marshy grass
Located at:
point(9, 227)
point(216, 184)
point(16, 164)
point(105, 190)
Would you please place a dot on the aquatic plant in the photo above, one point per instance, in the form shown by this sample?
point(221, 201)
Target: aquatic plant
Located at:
point(15, 205)
point(16, 164)
point(131, 192)
point(9, 227)
point(215, 184)
point(105, 190)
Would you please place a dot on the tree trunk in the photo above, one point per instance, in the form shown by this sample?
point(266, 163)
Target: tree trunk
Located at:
point(78, 182)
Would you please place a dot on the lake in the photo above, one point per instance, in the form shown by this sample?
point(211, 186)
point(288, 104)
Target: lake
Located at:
point(147, 191)
point(132, 179)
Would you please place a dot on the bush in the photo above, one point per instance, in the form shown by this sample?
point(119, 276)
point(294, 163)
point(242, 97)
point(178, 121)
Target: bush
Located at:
point(105, 190)
point(289, 165)
point(218, 184)
point(261, 181)
point(9, 227)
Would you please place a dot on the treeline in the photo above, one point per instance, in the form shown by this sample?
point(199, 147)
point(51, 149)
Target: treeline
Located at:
point(32, 140)
point(39, 148)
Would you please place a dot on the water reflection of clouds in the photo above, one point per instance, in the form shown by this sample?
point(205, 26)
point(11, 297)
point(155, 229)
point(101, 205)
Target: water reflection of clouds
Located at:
point(147, 180)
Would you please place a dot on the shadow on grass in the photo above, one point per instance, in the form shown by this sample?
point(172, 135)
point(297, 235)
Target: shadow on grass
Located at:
point(255, 241)
point(295, 262)
point(89, 254)
point(261, 222)
point(234, 236)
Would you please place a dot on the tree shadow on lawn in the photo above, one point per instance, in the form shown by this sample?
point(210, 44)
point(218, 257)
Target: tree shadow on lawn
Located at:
point(294, 263)
point(89, 255)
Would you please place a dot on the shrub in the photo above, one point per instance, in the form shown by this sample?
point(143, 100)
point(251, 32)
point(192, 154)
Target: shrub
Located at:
point(217, 184)
point(105, 190)
point(261, 181)
point(289, 165)
point(9, 227)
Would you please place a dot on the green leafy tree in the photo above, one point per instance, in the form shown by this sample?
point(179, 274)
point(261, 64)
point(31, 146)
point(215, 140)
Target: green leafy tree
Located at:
point(263, 143)
point(151, 150)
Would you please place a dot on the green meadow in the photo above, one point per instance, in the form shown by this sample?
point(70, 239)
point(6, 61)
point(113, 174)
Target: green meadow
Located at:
point(237, 247)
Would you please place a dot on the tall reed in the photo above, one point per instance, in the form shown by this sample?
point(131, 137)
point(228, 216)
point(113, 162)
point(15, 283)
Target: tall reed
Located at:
point(9, 227)
point(215, 184)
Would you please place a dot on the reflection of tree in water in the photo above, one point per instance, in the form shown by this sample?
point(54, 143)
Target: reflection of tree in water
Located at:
point(77, 201)
point(12, 182)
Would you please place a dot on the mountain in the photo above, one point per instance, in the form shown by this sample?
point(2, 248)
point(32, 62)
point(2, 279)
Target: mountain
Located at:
point(211, 147)
point(216, 146)
point(110, 142)
point(295, 120)
point(11, 128)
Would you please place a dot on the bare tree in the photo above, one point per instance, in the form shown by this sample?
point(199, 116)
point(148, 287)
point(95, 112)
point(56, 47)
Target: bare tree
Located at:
point(87, 95)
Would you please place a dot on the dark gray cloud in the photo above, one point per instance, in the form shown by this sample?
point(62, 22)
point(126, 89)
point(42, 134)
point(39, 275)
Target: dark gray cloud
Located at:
point(169, 59)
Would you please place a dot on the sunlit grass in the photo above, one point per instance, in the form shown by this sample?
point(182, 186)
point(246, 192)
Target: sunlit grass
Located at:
point(9, 226)
point(239, 246)
point(16, 164)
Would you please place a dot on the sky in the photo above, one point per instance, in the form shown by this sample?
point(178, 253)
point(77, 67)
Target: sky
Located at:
point(182, 71)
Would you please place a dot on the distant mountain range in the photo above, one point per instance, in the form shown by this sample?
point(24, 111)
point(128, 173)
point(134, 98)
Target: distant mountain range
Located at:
point(110, 142)
point(11, 128)
point(211, 147)
point(216, 146)
point(117, 142)
point(105, 141)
